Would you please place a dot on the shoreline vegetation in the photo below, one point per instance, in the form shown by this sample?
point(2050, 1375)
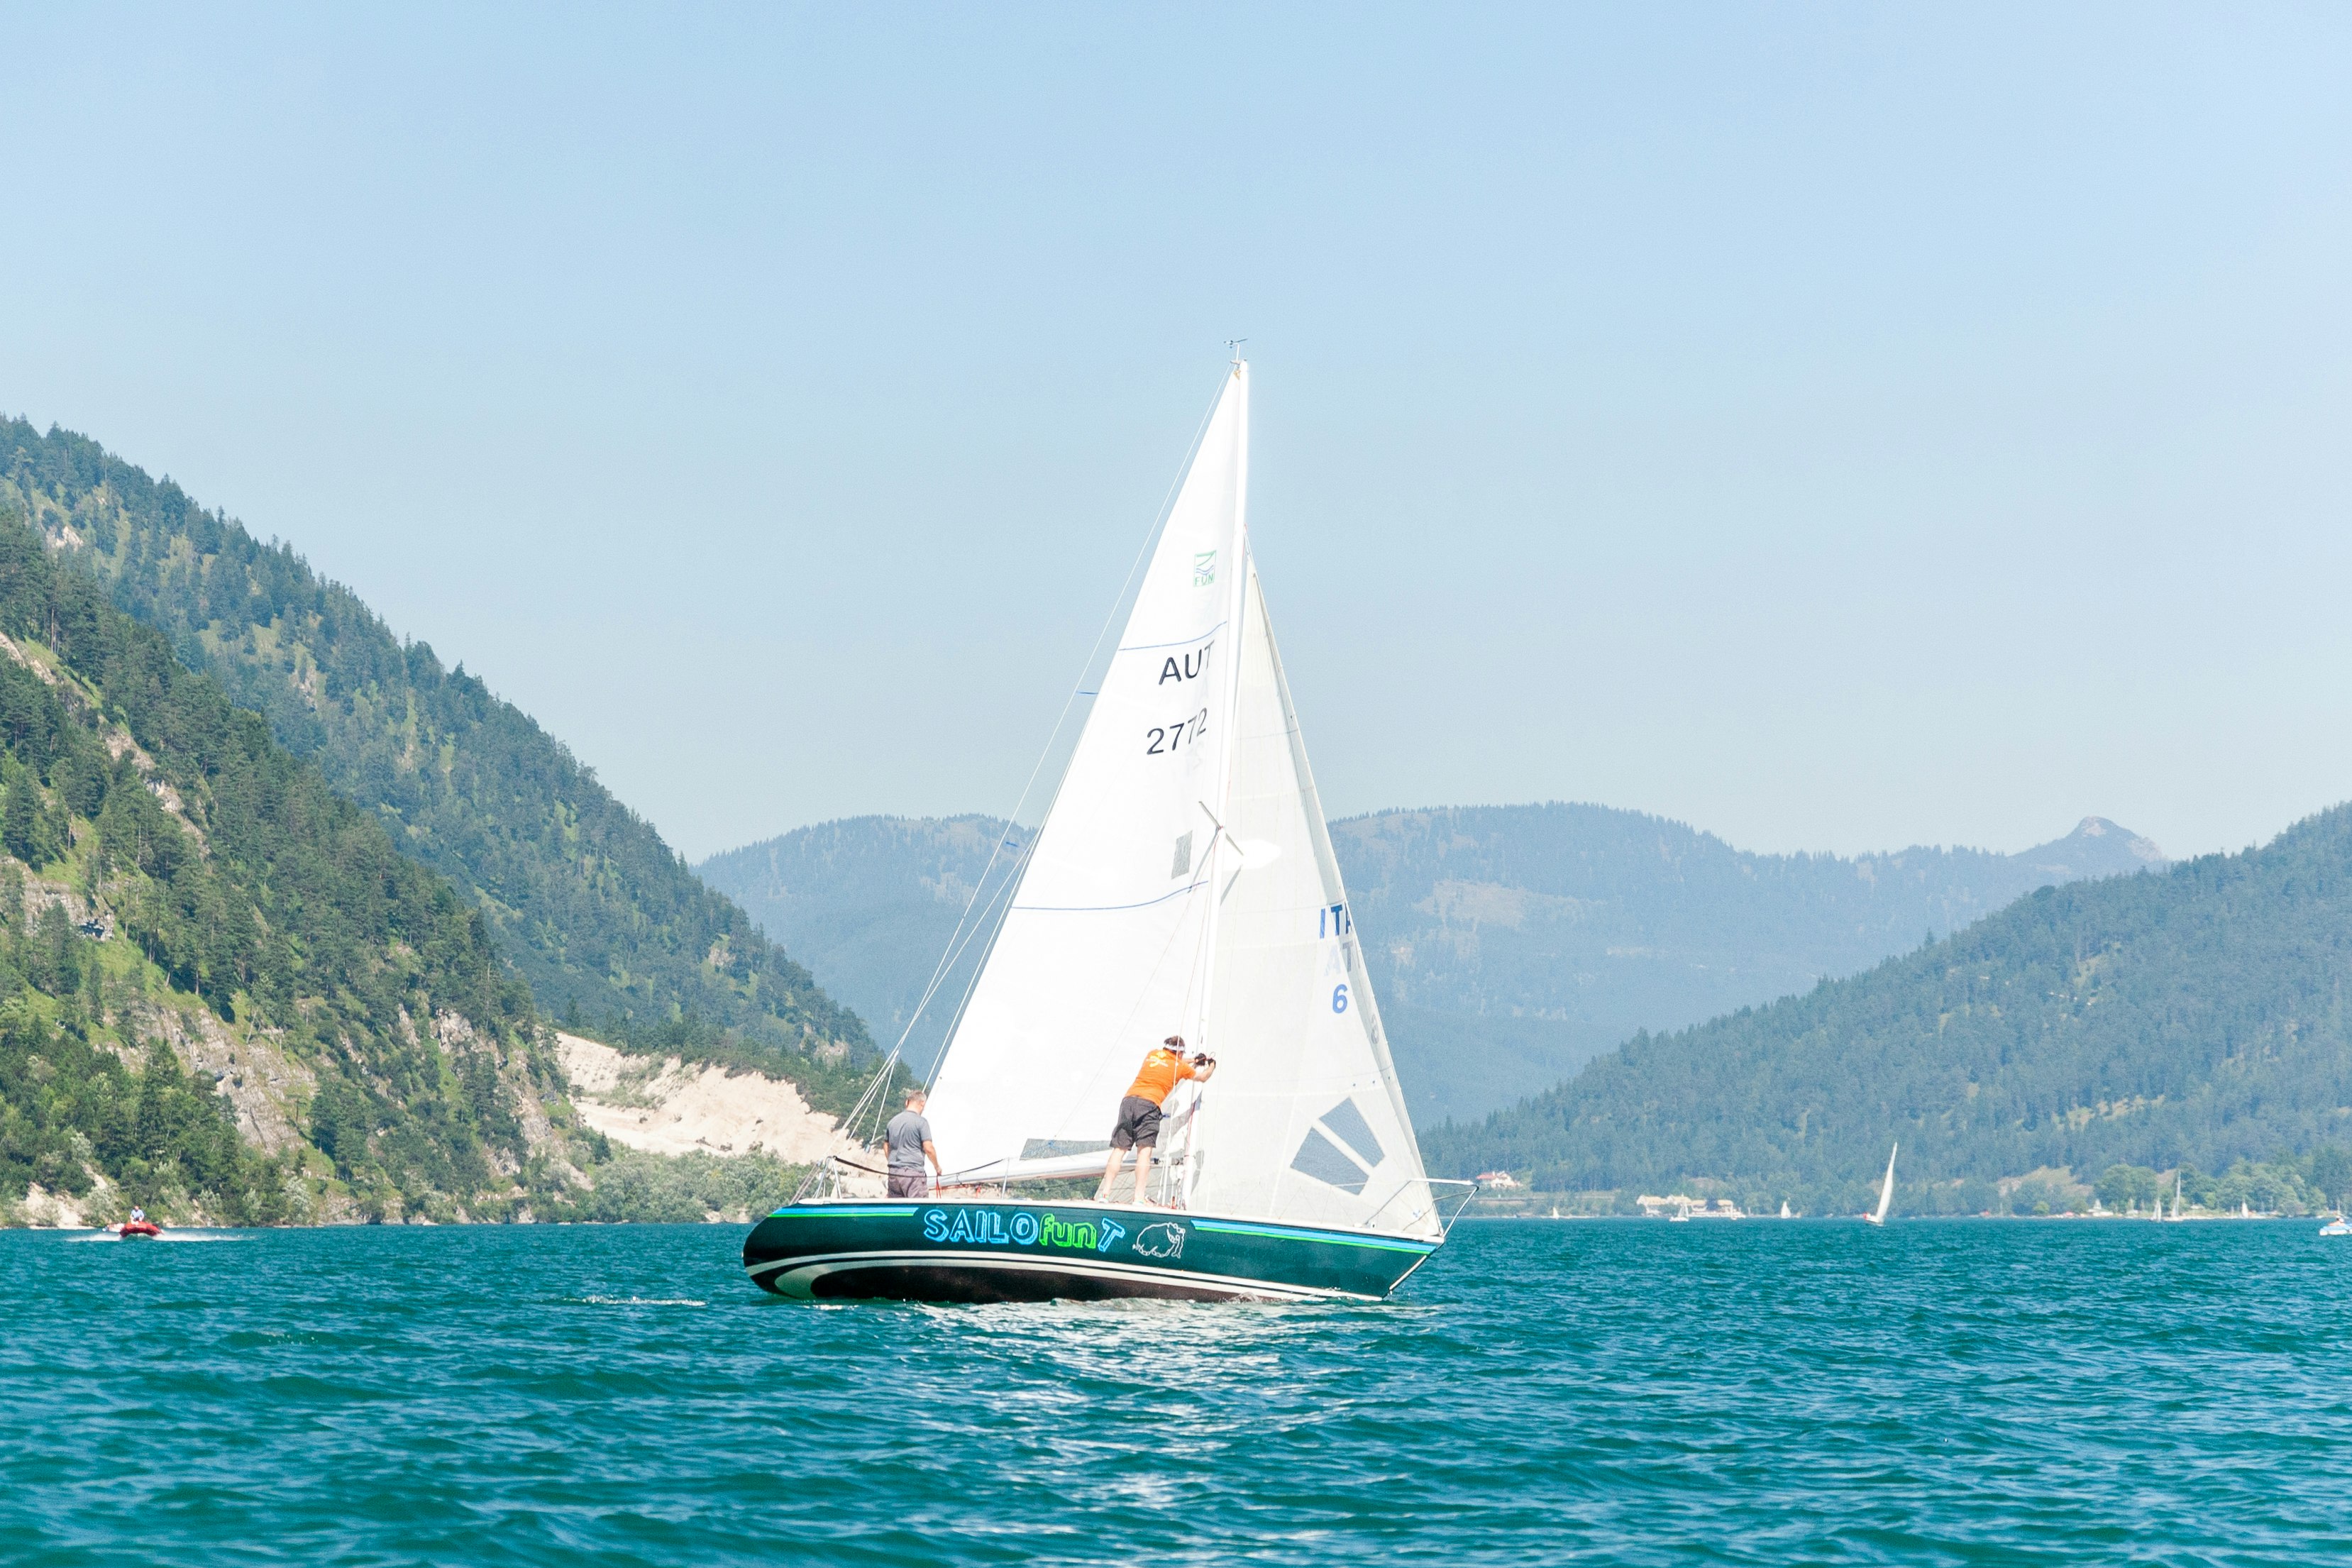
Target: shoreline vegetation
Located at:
point(631, 1187)
point(2295, 1187)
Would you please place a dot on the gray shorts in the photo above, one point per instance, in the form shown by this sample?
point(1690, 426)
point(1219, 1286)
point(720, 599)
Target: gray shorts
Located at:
point(910, 1184)
point(1139, 1124)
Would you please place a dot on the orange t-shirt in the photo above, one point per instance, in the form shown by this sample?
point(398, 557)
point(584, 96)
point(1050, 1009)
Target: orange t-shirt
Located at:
point(1163, 1069)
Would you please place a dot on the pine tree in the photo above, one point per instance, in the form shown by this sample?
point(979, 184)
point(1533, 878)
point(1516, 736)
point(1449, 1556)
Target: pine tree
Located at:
point(20, 818)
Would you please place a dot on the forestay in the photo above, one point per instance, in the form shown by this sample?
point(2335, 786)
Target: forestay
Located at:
point(1183, 883)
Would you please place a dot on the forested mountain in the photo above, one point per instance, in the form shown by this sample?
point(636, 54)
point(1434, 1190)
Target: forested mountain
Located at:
point(1511, 944)
point(223, 992)
point(1508, 943)
point(613, 932)
point(870, 904)
point(2193, 1017)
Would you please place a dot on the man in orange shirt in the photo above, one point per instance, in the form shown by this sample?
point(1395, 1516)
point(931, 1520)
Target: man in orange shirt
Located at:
point(1138, 1113)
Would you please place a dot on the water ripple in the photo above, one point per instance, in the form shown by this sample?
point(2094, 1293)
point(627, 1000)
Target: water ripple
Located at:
point(1637, 1394)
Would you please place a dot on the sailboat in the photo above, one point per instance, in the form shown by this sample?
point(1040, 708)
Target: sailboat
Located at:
point(1183, 883)
point(1886, 1190)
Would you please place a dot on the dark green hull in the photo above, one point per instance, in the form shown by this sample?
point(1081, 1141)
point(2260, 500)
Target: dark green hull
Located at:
point(1002, 1251)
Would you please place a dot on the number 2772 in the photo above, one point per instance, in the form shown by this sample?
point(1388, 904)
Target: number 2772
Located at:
point(1165, 741)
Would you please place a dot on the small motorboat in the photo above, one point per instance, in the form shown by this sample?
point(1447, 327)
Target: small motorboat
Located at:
point(2335, 1227)
point(134, 1229)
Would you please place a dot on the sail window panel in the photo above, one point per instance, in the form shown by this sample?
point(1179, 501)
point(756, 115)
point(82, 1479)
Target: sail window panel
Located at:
point(1181, 865)
point(1321, 1158)
point(1347, 1123)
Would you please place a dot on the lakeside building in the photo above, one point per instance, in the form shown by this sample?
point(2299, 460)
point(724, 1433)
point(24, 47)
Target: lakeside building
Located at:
point(1678, 1206)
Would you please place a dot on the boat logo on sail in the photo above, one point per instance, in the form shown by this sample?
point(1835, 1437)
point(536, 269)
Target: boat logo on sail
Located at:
point(1023, 1227)
point(1204, 568)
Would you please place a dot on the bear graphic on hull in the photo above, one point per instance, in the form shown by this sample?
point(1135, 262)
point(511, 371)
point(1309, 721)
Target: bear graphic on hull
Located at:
point(1163, 1240)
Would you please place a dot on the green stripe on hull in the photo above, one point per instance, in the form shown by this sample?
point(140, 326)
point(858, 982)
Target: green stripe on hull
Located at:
point(998, 1251)
point(1234, 1227)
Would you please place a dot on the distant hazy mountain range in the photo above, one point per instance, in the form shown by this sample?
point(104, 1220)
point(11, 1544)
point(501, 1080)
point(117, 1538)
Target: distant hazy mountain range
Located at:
point(2194, 1017)
point(1509, 943)
point(1512, 943)
point(869, 903)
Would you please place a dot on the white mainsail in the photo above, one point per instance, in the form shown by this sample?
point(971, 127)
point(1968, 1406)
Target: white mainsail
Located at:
point(1183, 883)
point(1887, 1189)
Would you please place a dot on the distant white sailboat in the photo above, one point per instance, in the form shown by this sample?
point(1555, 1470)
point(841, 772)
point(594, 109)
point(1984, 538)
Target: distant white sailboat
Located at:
point(1886, 1190)
point(1784, 1209)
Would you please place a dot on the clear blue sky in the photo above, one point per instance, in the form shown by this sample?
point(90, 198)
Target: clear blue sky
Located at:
point(1835, 426)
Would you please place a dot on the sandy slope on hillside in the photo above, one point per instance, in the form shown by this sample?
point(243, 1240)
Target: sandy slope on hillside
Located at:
point(668, 1107)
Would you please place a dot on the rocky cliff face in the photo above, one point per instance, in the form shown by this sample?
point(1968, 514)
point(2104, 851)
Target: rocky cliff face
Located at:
point(664, 1105)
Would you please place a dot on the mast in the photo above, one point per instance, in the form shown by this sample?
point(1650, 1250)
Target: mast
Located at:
point(1235, 600)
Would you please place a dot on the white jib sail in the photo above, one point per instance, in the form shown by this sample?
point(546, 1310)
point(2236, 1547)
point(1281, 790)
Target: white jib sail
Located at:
point(1183, 883)
point(1886, 1190)
point(1305, 1120)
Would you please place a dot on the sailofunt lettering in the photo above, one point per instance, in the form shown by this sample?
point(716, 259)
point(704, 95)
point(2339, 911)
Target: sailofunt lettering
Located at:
point(1023, 1227)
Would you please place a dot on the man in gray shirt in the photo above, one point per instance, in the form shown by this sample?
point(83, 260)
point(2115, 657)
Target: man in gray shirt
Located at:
point(909, 1143)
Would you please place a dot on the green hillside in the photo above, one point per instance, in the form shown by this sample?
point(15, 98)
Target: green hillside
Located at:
point(2193, 1019)
point(1512, 943)
point(611, 930)
point(223, 992)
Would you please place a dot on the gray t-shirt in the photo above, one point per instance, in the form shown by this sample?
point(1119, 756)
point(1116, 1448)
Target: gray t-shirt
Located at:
point(910, 1131)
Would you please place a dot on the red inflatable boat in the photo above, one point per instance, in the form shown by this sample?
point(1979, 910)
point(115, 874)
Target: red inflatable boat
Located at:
point(131, 1229)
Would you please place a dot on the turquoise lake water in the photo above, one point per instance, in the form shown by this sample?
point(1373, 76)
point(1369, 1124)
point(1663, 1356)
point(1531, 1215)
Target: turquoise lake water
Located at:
point(1541, 1393)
